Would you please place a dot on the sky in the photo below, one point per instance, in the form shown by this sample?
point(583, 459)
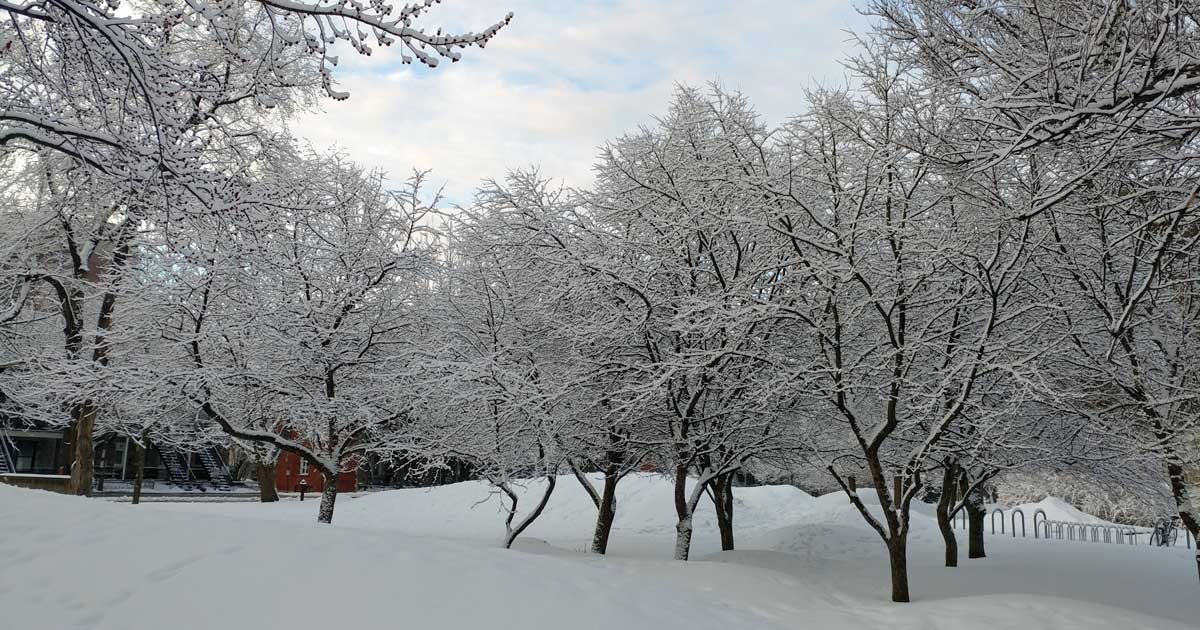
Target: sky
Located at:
point(568, 75)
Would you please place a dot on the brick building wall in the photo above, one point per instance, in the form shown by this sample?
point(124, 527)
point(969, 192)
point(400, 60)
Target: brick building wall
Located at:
point(291, 469)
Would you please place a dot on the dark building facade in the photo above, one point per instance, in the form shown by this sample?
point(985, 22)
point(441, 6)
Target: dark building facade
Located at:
point(33, 450)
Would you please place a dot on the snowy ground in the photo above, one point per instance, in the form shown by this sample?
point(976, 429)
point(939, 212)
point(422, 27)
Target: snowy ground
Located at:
point(428, 559)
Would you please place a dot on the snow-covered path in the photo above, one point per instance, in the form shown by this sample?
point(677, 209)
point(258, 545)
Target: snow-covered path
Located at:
point(427, 559)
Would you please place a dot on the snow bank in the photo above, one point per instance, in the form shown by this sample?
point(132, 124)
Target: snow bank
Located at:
point(830, 539)
point(389, 561)
point(1056, 510)
point(830, 529)
point(75, 563)
point(472, 510)
point(645, 507)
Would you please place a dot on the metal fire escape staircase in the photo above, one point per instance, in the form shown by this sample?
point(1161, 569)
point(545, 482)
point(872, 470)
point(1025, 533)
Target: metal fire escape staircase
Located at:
point(6, 464)
point(217, 472)
point(176, 465)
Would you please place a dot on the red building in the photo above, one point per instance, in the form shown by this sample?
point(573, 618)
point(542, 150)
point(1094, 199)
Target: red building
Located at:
point(292, 469)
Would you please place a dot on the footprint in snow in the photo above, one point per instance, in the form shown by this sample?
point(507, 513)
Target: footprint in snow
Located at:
point(170, 570)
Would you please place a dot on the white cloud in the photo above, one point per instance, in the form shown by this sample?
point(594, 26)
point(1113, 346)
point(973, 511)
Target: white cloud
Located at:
point(565, 77)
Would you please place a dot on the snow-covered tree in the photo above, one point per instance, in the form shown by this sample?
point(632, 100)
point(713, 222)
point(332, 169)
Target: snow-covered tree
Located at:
point(311, 297)
point(899, 285)
point(133, 89)
point(1096, 100)
point(676, 207)
point(548, 242)
point(122, 119)
point(1131, 362)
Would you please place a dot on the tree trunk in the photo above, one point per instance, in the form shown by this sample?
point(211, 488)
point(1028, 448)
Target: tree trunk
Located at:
point(683, 538)
point(975, 532)
point(722, 496)
point(607, 504)
point(686, 508)
point(727, 545)
point(974, 505)
point(683, 527)
point(82, 469)
point(894, 529)
point(139, 468)
point(267, 493)
point(586, 483)
point(1183, 504)
point(511, 534)
point(898, 558)
point(680, 494)
point(328, 497)
point(82, 463)
point(608, 512)
point(944, 506)
point(975, 516)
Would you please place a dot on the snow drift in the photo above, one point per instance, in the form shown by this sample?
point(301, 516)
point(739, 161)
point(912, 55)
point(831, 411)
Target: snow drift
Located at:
point(428, 558)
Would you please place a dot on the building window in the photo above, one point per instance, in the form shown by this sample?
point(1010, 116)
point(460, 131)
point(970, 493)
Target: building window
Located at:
point(303, 467)
point(25, 456)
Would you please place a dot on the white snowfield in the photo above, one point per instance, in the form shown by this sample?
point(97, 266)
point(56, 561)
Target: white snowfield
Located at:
point(428, 558)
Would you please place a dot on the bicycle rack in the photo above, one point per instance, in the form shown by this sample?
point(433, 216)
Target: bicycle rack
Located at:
point(1048, 529)
point(1035, 522)
point(1015, 512)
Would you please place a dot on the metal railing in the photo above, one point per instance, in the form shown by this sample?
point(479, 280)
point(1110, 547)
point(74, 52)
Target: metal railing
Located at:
point(7, 463)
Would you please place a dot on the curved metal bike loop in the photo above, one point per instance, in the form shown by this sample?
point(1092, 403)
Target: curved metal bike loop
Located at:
point(1015, 512)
